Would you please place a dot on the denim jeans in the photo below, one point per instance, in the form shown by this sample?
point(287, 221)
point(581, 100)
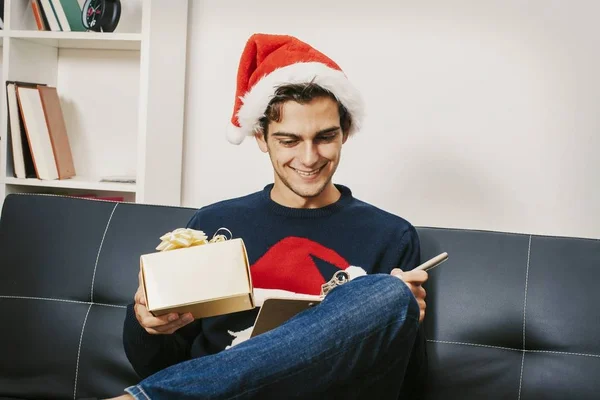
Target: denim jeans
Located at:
point(355, 344)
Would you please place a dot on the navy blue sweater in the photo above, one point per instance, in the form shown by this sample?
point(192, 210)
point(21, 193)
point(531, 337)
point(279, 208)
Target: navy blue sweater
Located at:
point(290, 249)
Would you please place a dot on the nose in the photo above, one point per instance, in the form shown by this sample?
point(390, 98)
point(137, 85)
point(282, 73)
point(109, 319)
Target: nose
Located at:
point(310, 154)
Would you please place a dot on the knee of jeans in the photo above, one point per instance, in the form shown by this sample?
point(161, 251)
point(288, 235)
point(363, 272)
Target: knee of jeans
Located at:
point(387, 293)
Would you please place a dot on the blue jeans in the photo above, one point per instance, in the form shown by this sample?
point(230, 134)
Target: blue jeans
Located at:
point(355, 344)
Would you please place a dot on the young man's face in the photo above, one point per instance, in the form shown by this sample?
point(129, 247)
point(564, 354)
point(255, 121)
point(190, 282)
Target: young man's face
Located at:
point(305, 147)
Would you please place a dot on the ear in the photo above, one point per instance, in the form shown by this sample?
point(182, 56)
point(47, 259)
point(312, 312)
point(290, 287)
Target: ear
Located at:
point(344, 137)
point(260, 140)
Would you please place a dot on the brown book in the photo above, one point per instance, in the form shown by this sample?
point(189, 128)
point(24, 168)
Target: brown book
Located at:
point(37, 15)
point(58, 131)
point(32, 114)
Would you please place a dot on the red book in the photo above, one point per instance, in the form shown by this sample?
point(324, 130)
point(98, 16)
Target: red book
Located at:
point(111, 198)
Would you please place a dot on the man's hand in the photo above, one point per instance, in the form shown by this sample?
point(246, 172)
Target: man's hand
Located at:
point(414, 280)
point(165, 324)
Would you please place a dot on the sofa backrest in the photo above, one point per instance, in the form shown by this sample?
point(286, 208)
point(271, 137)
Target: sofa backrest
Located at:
point(509, 315)
point(512, 316)
point(68, 268)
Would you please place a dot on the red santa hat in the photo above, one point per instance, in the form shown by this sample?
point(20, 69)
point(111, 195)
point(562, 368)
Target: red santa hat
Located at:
point(269, 61)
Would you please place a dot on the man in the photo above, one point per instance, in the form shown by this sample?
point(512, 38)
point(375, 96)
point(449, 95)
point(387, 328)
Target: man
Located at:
point(365, 339)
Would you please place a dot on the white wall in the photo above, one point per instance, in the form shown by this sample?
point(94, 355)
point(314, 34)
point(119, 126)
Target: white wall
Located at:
point(482, 114)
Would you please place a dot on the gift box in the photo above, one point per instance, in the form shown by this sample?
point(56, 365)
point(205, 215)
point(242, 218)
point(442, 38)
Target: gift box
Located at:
point(195, 275)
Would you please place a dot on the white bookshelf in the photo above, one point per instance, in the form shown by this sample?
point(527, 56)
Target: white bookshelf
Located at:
point(74, 183)
point(122, 95)
point(82, 40)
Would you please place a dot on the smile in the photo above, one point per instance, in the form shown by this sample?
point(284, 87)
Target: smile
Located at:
point(308, 173)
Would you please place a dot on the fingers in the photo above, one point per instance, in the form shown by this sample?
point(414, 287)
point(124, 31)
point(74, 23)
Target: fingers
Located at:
point(169, 328)
point(417, 277)
point(397, 272)
point(419, 292)
point(139, 297)
point(165, 324)
point(422, 307)
point(414, 279)
point(136, 297)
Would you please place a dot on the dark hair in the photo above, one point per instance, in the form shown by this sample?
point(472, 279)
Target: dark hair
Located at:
point(301, 93)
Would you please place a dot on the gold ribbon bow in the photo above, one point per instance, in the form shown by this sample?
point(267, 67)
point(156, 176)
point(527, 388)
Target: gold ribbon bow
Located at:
point(186, 237)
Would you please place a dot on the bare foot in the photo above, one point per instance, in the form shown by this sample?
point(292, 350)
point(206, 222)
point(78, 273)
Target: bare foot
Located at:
point(124, 397)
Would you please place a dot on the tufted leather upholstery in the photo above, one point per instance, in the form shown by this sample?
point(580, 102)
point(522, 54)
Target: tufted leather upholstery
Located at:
point(68, 267)
point(510, 316)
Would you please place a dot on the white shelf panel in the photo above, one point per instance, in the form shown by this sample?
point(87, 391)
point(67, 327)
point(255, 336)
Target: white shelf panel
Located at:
point(80, 40)
point(74, 183)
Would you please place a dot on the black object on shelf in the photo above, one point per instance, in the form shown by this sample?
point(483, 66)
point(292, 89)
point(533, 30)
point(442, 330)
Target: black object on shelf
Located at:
point(101, 15)
point(1, 14)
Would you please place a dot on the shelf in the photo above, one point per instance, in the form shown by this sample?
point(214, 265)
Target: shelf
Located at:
point(80, 40)
point(74, 183)
point(112, 88)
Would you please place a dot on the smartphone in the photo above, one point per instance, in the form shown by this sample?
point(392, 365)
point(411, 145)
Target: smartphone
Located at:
point(434, 262)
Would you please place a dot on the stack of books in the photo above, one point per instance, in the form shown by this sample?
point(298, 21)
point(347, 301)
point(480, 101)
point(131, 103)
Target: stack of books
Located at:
point(37, 132)
point(57, 15)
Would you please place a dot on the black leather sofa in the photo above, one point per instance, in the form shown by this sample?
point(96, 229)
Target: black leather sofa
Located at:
point(510, 316)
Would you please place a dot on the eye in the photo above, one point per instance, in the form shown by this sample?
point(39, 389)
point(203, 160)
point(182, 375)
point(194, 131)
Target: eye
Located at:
point(288, 143)
point(326, 138)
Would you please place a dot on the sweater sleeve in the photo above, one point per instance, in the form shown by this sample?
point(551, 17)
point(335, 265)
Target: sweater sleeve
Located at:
point(407, 257)
point(149, 353)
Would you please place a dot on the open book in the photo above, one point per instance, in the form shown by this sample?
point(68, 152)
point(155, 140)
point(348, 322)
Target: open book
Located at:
point(278, 306)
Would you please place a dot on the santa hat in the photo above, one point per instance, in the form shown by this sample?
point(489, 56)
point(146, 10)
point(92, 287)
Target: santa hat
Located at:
point(269, 61)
